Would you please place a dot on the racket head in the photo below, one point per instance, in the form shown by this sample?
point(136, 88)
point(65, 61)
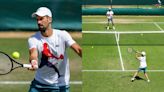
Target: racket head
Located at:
point(6, 63)
point(130, 50)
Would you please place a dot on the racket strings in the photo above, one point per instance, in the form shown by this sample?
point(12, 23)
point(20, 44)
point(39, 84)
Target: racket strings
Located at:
point(130, 50)
point(5, 64)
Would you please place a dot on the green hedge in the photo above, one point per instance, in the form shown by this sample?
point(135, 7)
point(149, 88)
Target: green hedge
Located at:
point(123, 11)
point(16, 14)
point(120, 2)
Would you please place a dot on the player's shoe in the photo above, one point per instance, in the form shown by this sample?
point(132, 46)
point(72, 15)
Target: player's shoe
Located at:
point(132, 79)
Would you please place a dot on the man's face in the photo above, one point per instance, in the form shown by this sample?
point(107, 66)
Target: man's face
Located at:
point(43, 22)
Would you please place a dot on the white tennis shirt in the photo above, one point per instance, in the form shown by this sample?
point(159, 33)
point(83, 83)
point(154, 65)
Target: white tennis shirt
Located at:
point(142, 62)
point(109, 14)
point(56, 45)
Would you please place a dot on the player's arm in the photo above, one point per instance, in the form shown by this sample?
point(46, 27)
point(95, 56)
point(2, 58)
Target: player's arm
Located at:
point(33, 58)
point(138, 55)
point(138, 52)
point(107, 14)
point(77, 49)
point(33, 53)
point(72, 44)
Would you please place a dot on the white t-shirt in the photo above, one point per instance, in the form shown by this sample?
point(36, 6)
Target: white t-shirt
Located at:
point(56, 45)
point(142, 62)
point(109, 14)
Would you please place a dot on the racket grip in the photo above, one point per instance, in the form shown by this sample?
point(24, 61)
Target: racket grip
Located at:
point(27, 65)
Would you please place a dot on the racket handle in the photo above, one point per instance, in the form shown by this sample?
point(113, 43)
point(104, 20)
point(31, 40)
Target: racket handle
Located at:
point(27, 65)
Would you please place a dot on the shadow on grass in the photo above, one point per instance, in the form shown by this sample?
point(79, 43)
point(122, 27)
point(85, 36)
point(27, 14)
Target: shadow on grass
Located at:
point(136, 78)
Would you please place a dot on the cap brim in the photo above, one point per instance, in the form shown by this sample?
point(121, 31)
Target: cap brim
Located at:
point(37, 14)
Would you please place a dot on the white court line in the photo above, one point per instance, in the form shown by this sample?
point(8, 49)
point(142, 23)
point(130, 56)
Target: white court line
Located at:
point(122, 22)
point(125, 16)
point(120, 70)
point(29, 82)
point(76, 82)
point(158, 26)
point(119, 51)
point(122, 32)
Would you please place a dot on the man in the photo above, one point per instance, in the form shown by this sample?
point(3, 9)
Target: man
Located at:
point(141, 56)
point(48, 57)
point(109, 15)
point(159, 4)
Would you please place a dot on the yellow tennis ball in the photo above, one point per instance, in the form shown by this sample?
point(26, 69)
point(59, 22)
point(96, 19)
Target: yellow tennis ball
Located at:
point(15, 55)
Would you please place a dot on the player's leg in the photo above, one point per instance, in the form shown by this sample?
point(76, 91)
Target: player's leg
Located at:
point(147, 77)
point(64, 89)
point(145, 74)
point(33, 87)
point(135, 74)
point(112, 24)
point(108, 24)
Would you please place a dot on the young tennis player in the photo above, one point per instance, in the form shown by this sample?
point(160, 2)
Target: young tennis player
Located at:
point(141, 57)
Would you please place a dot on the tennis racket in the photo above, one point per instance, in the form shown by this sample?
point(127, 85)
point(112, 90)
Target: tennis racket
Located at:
point(131, 50)
point(7, 64)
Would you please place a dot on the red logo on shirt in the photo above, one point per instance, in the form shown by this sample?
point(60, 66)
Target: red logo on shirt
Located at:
point(46, 52)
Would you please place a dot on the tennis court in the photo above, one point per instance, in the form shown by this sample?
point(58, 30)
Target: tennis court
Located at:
point(107, 64)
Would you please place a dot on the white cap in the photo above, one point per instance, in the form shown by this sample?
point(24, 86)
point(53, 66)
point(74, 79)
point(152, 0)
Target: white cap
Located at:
point(143, 53)
point(42, 11)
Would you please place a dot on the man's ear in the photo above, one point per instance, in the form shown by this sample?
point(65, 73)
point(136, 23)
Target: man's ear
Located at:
point(50, 19)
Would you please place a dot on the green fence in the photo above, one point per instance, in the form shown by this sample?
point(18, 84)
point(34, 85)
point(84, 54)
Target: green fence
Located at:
point(120, 2)
point(16, 14)
point(123, 11)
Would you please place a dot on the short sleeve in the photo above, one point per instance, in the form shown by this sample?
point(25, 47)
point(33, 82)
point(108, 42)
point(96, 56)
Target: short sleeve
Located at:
point(68, 39)
point(32, 42)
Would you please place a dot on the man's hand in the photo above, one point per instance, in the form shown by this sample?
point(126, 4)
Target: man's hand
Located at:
point(34, 64)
